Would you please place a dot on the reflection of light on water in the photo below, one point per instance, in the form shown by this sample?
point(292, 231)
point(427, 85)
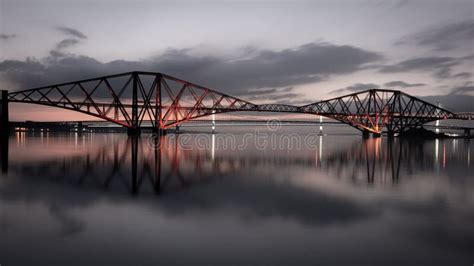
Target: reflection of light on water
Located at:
point(213, 147)
point(320, 147)
point(378, 143)
point(437, 154)
point(468, 156)
point(444, 155)
point(75, 140)
point(213, 122)
point(437, 121)
point(319, 152)
point(20, 138)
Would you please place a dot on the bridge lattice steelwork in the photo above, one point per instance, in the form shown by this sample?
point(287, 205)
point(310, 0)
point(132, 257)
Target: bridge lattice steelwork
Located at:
point(131, 98)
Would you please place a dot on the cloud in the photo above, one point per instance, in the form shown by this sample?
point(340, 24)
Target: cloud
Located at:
point(440, 66)
point(400, 3)
point(421, 63)
point(446, 37)
point(77, 36)
point(264, 69)
point(285, 96)
point(455, 102)
point(462, 90)
point(66, 43)
point(362, 87)
point(357, 87)
point(403, 84)
point(30, 65)
point(72, 32)
point(275, 95)
point(58, 51)
point(463, 75)
point(7, 37)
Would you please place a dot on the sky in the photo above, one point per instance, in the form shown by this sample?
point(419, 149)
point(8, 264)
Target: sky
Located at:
point(293, 52)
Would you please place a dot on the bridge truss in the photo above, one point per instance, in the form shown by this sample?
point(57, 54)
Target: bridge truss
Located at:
point(372, 110)
point(132, 98)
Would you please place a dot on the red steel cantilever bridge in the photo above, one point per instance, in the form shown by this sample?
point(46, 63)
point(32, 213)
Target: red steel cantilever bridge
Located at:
point(129, 99)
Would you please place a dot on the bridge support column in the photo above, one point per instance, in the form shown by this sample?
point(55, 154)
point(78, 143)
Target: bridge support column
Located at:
point(4, 122)
point(134, 150)
point(365, 134)
point(160, 131)
point(4, 153)
point(390, 134)
point(133, 131)
point(467, 132)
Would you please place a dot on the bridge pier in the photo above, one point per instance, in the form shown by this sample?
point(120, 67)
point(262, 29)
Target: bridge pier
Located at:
point(4, 143)
point(4, 122)
point(160, 131)
point(390, 134)
point(365, 134)
point(134, 162)
point(467, 132)
point(133, 131)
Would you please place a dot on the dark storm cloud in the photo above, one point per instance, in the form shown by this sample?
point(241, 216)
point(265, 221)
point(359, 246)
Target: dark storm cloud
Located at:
point(446, 37)
point(357, 87)
point(307, 63)
point(6, 37)
point(403, 84)
point(266, 69)
point(72, 32)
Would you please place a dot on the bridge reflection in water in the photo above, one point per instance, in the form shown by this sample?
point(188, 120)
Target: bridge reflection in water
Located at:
point(137, 165)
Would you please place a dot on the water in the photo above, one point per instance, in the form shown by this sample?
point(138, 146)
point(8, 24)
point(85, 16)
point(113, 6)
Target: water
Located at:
point(207, 199)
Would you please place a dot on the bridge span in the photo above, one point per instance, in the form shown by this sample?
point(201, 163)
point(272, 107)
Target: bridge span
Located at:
point(129, 99)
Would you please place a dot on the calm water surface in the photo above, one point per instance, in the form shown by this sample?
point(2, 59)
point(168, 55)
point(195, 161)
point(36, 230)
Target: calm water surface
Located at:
point(207, 199)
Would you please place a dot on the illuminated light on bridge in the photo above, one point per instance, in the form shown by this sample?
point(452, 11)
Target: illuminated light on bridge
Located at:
point(131, 98)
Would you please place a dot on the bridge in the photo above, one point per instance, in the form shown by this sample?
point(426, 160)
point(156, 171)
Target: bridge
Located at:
point(132, 98)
